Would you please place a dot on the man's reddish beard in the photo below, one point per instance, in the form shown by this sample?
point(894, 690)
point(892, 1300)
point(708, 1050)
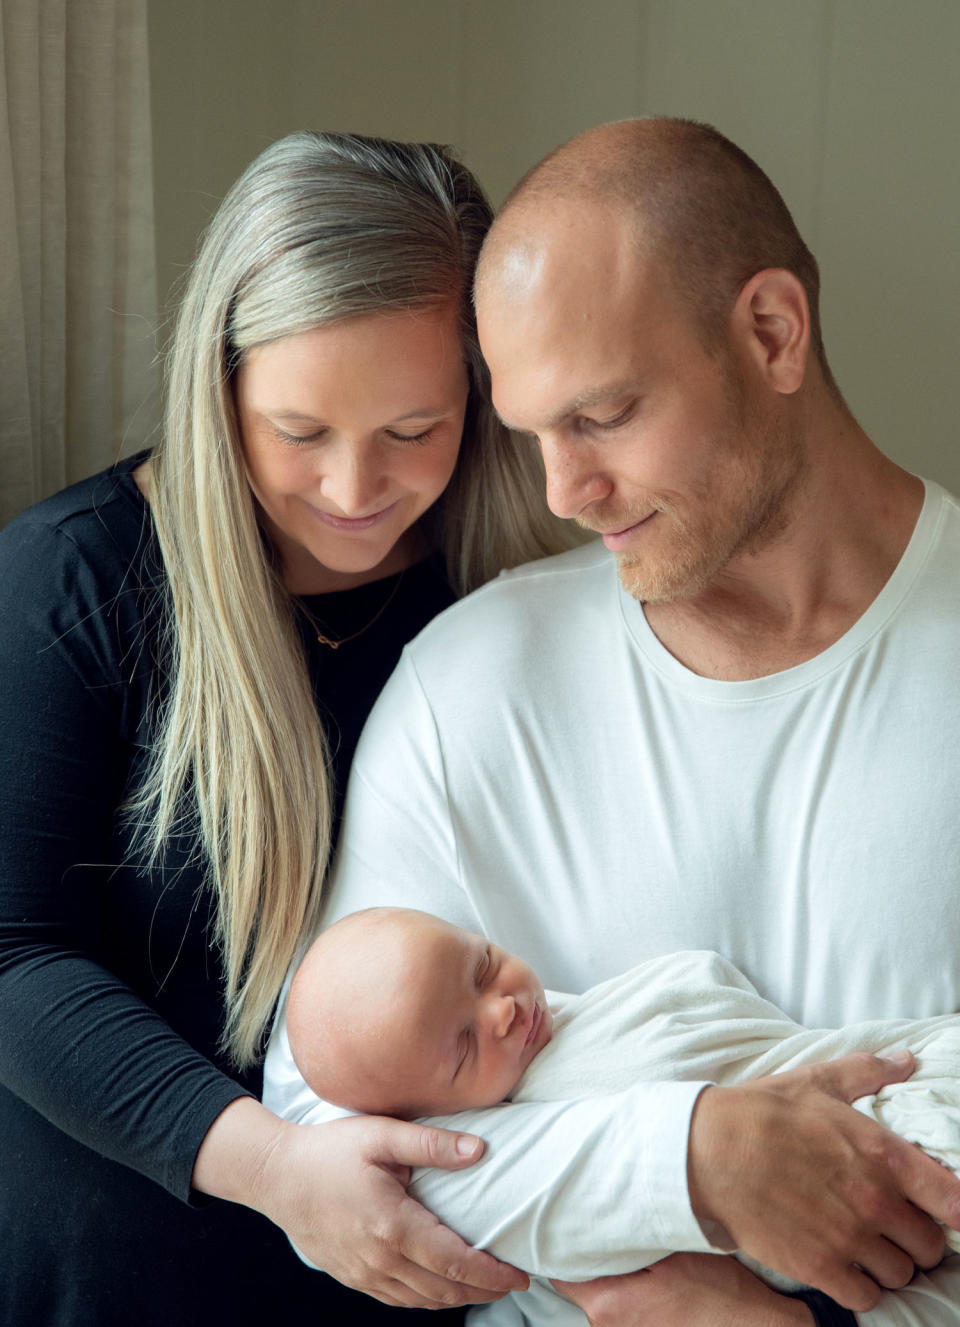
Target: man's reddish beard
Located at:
point(680, 553)
point(682, 568)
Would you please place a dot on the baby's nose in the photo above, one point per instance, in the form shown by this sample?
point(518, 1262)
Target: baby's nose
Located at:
point(503, 1012)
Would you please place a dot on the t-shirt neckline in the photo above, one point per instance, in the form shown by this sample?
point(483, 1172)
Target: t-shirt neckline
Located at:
point(871, 621)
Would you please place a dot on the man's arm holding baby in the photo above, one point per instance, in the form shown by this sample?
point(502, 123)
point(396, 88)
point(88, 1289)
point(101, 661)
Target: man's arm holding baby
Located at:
point(560, 1181)
point(580, 1184)
point(698, 1290)
point(691, 1290)
point(703, 1290)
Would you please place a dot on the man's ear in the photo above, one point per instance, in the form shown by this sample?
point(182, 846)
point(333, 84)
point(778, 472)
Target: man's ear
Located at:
point(771, 320)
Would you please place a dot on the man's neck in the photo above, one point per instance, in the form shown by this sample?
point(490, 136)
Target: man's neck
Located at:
point(775, 607)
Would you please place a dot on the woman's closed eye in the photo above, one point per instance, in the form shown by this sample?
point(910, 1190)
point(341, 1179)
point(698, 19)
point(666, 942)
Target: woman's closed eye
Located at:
point(412, 438)
point(297, 439)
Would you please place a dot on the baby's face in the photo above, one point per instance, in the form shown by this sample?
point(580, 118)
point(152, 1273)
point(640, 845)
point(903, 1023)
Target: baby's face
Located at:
point(464, 1023)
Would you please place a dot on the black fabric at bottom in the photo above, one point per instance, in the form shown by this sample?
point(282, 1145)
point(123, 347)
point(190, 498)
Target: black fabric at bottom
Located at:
point(826, 1311)
point(107, 1240)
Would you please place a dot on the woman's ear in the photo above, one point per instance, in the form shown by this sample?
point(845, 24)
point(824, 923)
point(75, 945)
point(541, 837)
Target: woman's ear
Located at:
point(771, 319)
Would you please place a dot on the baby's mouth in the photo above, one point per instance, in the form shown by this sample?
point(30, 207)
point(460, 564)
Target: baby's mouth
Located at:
point(535, 1021)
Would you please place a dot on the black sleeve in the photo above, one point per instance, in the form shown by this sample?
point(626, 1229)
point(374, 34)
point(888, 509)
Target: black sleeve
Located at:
point(826, 1311)
point(75, 1041)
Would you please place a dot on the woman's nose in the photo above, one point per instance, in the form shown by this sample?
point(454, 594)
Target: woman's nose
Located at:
point(352, 482)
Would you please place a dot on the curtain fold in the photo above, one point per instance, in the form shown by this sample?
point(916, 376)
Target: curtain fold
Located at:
point(79, 383)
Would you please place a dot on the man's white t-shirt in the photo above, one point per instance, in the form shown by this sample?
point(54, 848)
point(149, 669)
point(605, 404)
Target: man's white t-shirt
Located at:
point(541, 769)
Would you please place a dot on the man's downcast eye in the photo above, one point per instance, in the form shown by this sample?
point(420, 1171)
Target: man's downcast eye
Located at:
point(617, 420)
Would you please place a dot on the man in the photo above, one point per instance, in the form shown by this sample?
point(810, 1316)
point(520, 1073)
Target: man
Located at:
point(749, 745)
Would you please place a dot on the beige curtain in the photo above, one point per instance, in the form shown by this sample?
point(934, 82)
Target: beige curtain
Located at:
point(78, 377)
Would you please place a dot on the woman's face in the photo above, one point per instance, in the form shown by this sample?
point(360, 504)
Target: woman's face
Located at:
point(350, 432)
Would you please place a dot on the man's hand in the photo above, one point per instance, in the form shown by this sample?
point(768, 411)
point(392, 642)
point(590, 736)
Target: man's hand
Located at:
point(685, 1290)
point(812, 1188)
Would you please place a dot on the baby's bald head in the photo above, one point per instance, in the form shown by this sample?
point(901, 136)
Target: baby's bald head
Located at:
point(338, 1014)
point(397, 1012)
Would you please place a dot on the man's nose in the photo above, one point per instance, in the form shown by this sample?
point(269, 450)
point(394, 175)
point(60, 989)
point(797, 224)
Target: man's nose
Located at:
point(574, 480)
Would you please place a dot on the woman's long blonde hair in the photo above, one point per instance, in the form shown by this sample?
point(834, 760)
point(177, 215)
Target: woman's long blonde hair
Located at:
point(319, 228)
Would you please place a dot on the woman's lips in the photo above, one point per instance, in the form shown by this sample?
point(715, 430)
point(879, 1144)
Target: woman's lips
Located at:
point(351, 524)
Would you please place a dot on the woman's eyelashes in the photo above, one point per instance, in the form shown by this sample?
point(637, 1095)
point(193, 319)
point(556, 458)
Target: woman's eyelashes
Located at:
point(300, 439)
point(296, 439)
point(412, 438)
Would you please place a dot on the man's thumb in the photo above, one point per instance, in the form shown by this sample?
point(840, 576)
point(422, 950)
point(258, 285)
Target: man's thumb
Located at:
point(861, 1074)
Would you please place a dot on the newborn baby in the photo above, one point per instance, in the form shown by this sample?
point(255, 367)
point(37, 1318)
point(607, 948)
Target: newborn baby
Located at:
point(395, 1012)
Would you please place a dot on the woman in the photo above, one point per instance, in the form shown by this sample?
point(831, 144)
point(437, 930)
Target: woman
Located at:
point(191, 642)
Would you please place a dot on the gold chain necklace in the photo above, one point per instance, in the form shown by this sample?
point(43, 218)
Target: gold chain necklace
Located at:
point(335, 644)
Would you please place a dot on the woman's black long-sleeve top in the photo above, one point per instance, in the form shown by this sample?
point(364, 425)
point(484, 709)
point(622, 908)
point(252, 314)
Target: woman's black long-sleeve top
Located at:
point(111, 1003)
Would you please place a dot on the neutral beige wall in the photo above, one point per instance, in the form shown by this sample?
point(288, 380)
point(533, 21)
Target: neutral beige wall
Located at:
point(852, 106)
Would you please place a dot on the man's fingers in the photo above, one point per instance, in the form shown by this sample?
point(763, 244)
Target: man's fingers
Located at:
point(887, 1264)
point(852, 1288)
point(932, 1188)
point(860, 1074)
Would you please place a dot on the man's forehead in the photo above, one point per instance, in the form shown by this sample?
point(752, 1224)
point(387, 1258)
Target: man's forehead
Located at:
point(534, 247)
point(513, 264)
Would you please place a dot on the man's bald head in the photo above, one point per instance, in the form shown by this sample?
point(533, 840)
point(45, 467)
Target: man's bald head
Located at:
point(698, 205)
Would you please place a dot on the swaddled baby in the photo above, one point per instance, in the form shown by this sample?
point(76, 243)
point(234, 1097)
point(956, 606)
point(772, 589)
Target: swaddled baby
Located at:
point(396, 1012)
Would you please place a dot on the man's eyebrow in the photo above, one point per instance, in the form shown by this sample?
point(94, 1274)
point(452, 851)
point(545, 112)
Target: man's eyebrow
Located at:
point(584, 400)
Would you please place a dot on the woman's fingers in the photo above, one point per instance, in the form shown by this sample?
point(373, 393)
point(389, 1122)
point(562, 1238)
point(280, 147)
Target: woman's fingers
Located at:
point(435, 1255)
point(397, 1143)
point(439, 1265)
point(338, 1190)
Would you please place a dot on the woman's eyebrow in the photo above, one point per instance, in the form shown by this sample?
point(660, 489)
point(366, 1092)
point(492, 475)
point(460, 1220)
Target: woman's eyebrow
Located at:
point(422, 412)
point(290, 414)
point(425, 412)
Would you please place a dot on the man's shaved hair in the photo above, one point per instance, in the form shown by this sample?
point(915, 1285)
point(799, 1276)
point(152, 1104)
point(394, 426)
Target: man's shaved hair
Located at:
point(702, 206)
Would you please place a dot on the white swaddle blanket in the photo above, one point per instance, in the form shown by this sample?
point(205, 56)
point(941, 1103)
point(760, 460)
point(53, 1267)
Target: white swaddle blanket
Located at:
point(692, 1015)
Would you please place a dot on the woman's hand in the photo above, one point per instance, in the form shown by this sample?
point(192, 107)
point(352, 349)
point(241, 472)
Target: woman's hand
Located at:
point(338, 1191)
point(685, 1290)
